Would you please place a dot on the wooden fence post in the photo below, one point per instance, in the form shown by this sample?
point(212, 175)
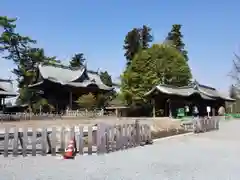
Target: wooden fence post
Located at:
point(137, 130)
point(44, 141)
point(121, 138)
point(107, 137)
point(15, 142)
point(25, 141)
point(62, 140)
point(90, 135)
point(101, 139)
point(34, 142)
point(80, 140)
point(6, 140)
point(125, 136)
point(118, 137)
point(53, 141)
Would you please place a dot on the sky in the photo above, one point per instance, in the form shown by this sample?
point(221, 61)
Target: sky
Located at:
point(211, 30)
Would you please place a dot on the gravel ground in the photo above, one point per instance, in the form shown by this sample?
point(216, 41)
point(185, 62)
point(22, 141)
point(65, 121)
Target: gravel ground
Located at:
point(213, 156)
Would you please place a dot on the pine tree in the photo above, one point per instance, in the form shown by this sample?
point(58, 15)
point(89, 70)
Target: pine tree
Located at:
point(132, 44)
point(18, 49)
point(175, 37)
point(146, 36)
point(136, 40)
point(77, 60)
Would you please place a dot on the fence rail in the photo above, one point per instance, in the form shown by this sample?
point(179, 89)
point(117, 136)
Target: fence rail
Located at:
point(99, 139)
point(202, 124)
point(84, 113)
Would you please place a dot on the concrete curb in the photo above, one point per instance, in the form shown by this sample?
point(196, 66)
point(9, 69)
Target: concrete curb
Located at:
point(174, 136)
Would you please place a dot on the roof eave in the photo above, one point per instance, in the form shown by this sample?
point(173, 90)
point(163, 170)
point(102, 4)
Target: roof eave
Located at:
point(35, 85)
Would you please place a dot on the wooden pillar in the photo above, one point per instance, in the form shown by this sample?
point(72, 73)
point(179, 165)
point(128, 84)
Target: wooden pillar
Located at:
point(154, 108)
point(57, 107)
point(70, 100)
point(116, 112)
point(3, 104)
point(170, 108)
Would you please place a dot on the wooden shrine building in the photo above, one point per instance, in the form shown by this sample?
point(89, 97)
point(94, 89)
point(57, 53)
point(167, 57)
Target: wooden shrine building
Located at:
point(6, 91)
point(168, 99)
point(62, 85)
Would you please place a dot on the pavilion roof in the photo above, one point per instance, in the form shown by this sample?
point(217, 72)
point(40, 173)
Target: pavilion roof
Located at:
point(79, 77)
point(206, 92)
point(6, 88)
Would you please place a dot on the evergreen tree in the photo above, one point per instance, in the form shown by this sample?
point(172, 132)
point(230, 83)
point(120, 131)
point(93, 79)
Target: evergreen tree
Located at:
point(19, 49)
point(159, 64)
point(132, 44)
point(175, 39)
point(146, 36)
point(106, 78)
point(135, 40)
point(77, 60)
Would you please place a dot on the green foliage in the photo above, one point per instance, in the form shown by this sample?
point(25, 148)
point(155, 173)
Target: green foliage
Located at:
point(88, 101)
point(118, 100)
point(175, 37)
point(106, 78)
point(146, 36)
point(160, 64)
point(104, 99)
point(42, 105)
point(19, 49)
point(135, 40)
point(77, 60)
point(131, 44)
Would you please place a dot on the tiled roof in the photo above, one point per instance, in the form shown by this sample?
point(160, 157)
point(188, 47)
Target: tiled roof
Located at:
point(205, 92)
point(73, 77)
point(6, 88)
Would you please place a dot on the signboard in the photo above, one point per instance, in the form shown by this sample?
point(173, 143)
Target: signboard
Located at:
point(208, 109)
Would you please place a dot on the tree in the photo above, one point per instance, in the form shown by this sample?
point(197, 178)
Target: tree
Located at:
point(42, 105)
point(135, 40)
point(104, 99)
point(106, 78)
point(146, 36)
point(131, 44)
point(77, 60)
point(160, 64)
point(19, 49)
point(175, 37)
point(87, 101)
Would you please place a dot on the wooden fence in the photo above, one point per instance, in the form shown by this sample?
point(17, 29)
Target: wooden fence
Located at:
point(101, 138)
point(84, 113)
point(41, 116)
point(202, 124)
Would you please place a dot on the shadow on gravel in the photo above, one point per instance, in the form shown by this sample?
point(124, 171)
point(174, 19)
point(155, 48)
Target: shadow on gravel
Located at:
point(167, 133)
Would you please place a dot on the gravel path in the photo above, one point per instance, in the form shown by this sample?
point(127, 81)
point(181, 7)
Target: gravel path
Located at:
point(212, 156)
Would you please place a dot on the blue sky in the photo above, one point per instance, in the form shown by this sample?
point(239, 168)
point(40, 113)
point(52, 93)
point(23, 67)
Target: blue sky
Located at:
point(97, 28)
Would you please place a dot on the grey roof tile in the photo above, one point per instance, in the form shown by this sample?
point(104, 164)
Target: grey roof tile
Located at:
point(6, 88)
point(71, 77)
point(204, 91)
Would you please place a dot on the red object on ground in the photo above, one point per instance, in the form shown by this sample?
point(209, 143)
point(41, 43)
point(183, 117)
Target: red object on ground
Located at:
point(70, 151)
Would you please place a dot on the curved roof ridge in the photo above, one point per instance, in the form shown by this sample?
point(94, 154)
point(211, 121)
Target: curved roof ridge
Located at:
point(62, 66)
point(205, 86)
point(60, 73)
point(172, 86)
